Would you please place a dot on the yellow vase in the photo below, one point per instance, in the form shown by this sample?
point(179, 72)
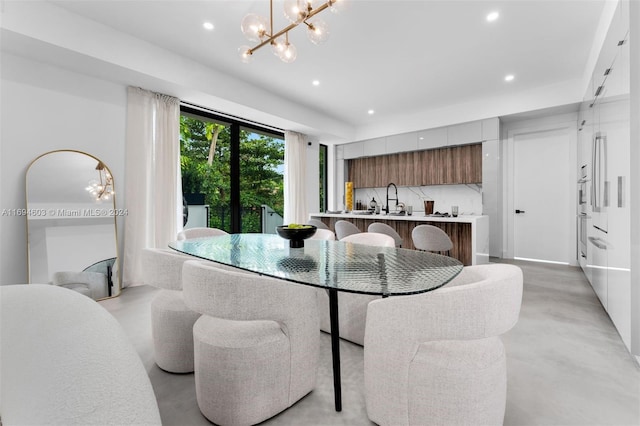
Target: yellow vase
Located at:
point(348, 196)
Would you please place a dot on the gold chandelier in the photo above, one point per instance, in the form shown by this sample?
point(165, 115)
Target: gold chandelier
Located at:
point(256, 28)
point(103, 189)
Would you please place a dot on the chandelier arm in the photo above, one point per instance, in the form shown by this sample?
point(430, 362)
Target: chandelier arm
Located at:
point(288, 28)
point(273, 37)
point(271, 17)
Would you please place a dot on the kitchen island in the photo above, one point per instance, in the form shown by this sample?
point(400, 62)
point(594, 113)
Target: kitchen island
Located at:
point(469, 233)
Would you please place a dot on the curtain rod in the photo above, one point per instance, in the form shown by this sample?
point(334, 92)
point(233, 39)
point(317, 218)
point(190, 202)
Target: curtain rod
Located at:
point(233, 117)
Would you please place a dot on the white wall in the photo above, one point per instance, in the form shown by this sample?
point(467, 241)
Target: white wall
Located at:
point(44, 108)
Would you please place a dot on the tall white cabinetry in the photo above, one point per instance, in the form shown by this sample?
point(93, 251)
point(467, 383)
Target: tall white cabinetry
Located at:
point(604, 147)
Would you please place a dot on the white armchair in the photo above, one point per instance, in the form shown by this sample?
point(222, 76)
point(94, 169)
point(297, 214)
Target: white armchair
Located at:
point(91, 284)
point(187, 234)
point(171, 320)
point(67, 361)
point(437, 358)
point(256, 343)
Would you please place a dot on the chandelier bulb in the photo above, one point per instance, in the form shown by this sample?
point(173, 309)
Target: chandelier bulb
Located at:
point(336, 6)
point(254, 27)
point(317, 31)
point(296, 11)
point(246, 55)
point(289, 53)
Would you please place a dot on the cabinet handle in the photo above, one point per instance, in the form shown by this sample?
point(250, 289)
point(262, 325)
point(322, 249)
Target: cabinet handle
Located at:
point(518, 211)
point(598, 243)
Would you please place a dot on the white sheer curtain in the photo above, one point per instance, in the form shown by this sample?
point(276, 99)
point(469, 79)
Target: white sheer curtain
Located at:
point(152, 170)
point(295, 165)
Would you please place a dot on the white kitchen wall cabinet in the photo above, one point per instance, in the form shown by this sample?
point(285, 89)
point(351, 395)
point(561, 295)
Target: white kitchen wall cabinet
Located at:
point(432, 138)
point(401, 143)
point(464, 133)
point(372, 147)
point(353, 150)
point(491, 129)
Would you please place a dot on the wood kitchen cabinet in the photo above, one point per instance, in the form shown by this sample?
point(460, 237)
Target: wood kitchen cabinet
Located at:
point(449, 165)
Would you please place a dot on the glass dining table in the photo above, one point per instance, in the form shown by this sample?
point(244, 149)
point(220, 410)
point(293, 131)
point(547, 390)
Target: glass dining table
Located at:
point(332, 265)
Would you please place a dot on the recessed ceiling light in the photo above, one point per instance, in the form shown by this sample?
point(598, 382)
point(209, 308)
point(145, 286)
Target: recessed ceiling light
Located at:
point(509, 77)
point(208, 26)
point(493, 16)
point(371, 112)
point(316, 82)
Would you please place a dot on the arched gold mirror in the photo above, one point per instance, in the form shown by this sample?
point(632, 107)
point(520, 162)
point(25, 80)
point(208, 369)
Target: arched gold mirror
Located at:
point(71, 224)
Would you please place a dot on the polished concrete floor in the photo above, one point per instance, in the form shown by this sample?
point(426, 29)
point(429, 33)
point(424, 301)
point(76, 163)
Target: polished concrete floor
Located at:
point(566, 363)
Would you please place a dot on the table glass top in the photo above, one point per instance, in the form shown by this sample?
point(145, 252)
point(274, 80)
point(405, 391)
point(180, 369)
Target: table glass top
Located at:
point(336, 265)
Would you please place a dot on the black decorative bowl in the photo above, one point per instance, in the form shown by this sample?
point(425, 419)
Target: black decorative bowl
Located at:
point(296, 236)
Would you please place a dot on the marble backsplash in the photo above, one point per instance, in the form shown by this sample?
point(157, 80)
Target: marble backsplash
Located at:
point(468, 198)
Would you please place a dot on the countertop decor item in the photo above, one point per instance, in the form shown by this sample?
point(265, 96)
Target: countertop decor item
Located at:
point(297, 235)
point(348, 196)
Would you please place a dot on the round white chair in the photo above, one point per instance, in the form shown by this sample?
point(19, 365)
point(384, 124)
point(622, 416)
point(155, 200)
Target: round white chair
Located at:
point(67, 361)
point(431, 238)
point(383, 228)
point(344, 228)
point(370, 239)
point(171, 321)
point(91, 284)
point(437, 358)
point(187, 234)
point(256, 343)
point(323, 234)
point(352, 308)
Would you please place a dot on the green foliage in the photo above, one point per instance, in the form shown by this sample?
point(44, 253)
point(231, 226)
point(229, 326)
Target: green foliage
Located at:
point(261, 181)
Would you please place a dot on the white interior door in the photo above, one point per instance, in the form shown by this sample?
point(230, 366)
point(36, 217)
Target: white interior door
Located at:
point(542, 197)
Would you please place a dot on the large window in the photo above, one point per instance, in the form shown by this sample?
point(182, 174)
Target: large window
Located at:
point(234, 168)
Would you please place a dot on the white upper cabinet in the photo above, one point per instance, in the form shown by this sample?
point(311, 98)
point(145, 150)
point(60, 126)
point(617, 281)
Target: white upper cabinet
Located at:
point(353, 150)
point(402, 143)
point(432, 138)
point(465, 133)
point(373, 147)
point(491, 129)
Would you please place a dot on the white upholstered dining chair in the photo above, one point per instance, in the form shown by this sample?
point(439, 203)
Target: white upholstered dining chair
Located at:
point(256, 343)
point(437, 358)
point(187, 234)
point(323, 234)
point(370, 239)
point(352, 308)
point(171, 320)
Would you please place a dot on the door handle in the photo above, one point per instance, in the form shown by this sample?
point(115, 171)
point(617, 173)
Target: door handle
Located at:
point(518, 211)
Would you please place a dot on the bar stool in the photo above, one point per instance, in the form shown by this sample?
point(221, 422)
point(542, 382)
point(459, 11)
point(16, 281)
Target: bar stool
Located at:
point(431, 238)
point(383, 228)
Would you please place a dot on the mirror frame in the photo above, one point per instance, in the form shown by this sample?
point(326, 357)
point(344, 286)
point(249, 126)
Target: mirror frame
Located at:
point(116, 278)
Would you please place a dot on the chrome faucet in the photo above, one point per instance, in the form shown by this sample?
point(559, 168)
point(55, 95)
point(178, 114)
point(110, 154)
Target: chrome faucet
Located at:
point(395, 199)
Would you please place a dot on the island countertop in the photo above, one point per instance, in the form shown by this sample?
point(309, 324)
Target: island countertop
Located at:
point(415, 217)
point(469, 233)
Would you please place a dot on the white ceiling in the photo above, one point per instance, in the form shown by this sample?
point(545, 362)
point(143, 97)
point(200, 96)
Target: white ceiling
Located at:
point(395, 57)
